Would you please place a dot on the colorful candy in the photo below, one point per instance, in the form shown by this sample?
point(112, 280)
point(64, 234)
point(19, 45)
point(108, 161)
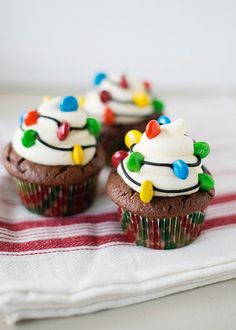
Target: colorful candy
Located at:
point(135, 161)
point(163, 120)
point(78, 154)
point(46, 99)
point(201, 149)
point(105, 96)
point(147, 85)
point(153, 129)
point(141, 99)
point(93, 126)
point(63, 131)
point(146, 191)
point(180, 169)
point(206, 182)
point(81, 100)
point(117, 157)
point(158, 106)
point(31, 118)
point(132, 137)
point(29, 138)
point(22, 118)
point(99, 78)
point(69, 104)
point(124, 82)
point(109, 116)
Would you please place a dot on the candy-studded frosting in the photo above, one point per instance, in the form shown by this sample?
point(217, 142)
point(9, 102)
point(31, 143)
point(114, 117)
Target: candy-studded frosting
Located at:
point(120, 99)
point(57, 133)
point(163, 161)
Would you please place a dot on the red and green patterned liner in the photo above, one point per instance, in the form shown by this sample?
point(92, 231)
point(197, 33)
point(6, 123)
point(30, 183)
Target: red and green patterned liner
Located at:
point(162, 233)
point(54, 201)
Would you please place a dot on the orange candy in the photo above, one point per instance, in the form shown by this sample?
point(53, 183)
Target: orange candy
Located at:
point(31, 118)
point(109, 116)
point(153, 129)
point(147, 85)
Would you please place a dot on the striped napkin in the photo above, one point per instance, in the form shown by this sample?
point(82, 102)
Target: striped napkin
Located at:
point(54, 267)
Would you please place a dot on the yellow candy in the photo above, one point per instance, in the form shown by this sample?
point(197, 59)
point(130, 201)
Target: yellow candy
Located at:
point(78, 154)
point(81, 100)
point(132, 137)
point(141, 99)
point(146, 191)
point(46, 99)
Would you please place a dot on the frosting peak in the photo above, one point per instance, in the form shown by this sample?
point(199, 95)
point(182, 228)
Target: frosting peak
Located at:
point(163, 161)
point(57, 133)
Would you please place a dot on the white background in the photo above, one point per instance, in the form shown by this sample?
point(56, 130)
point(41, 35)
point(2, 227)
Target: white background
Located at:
point(176, 44)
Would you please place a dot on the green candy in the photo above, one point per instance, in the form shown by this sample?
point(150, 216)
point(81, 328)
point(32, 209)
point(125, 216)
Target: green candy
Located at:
point(135, 161)
point(206, 182)
point(29, 137)
point(93, 126)
point(158, 106)
point(201, 149)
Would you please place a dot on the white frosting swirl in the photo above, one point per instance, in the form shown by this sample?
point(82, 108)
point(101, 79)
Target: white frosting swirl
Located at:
point(122, 106)
point(170, 145)
point(47, 130)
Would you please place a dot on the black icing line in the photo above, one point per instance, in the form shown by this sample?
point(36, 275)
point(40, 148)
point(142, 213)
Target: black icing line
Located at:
point(63, 149)
point(144, 162)
point(58, 148)
point(158, 189)
point(60, 123)
point(117, 84)
point(198, 163)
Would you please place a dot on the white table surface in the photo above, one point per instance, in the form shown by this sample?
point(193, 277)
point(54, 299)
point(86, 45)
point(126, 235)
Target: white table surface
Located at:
point(210, 307)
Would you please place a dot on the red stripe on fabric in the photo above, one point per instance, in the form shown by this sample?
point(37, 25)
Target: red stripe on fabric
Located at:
point(84, 242)
point(58, 243)
point(80, 248)
point(57, 222)
point(219, 222)
point(223, 199)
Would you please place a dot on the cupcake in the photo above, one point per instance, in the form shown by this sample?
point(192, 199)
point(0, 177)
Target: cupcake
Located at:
point(160, 186)
point(121, 103)
point(54, 158)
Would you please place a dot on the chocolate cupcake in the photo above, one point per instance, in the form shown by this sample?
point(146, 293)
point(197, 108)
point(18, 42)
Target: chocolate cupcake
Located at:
point(121, 103)
point(54, 158)
point(160, 186)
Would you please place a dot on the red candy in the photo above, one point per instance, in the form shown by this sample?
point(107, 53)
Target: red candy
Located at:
point(147, 85)
point(117, 157)
point(105, 96)
point(31, 118)
point(109, 116)
point(152, 129)
point(123, 82)
point(63, 131)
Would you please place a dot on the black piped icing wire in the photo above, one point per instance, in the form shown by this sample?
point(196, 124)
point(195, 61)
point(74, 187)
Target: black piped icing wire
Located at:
point(59, 124)
point(144, 162)
point(169, 191)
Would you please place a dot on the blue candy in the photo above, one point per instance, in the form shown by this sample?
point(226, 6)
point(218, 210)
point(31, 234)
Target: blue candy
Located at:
point(22, 118)
point(99, 78)
point(69, 103)
point(180, 169)
point(163, 120)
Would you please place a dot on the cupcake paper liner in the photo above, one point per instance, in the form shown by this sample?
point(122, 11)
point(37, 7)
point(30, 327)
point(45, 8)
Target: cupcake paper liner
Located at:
point(162, 233)
point(57, 200)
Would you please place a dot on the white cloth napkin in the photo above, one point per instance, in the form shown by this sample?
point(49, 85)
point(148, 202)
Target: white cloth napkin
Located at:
point(81, 264)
